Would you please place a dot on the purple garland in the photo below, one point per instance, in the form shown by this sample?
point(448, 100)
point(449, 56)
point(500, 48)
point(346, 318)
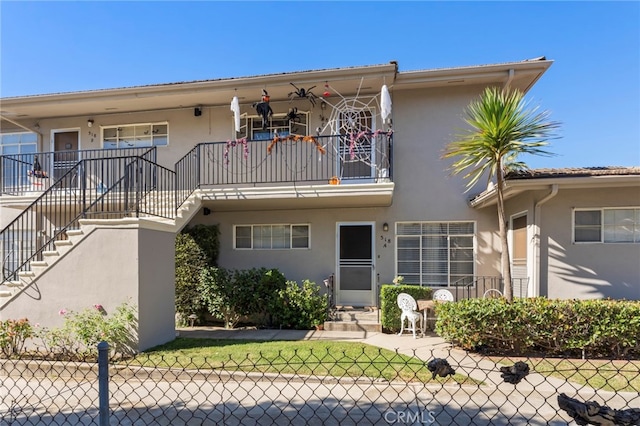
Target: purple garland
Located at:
point(354, 137)
point(230, 143)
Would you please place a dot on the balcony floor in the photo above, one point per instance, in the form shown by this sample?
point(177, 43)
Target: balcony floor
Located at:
point(284, 197)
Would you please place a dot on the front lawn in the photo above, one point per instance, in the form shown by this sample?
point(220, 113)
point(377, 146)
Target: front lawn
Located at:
point(319, 358)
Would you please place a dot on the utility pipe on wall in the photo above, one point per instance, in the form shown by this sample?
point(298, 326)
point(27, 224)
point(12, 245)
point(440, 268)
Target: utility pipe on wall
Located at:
point(536, 239)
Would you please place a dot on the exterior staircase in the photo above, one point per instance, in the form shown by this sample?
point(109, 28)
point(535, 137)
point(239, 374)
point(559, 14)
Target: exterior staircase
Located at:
point(354, 319)
point(49, 258)
point(73, 237)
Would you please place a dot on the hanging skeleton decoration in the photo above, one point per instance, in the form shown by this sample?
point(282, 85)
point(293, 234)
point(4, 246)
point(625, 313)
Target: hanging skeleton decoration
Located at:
point(303, 94)
point(264, 109)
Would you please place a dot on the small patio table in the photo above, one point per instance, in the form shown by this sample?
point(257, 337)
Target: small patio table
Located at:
point(425, 305)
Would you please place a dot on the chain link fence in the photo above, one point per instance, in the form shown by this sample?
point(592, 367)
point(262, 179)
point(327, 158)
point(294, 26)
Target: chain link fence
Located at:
point(318, 388)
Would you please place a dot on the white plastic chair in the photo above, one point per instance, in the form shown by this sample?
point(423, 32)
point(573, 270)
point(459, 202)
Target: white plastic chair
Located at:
point(443, 295)
point(492, 293)
point(408, 306)
point(439, 296)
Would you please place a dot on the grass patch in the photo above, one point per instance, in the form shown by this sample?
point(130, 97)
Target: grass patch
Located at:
point(320, 358)
point(610, 375)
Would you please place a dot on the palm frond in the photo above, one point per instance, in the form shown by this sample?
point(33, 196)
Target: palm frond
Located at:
point(502, 127)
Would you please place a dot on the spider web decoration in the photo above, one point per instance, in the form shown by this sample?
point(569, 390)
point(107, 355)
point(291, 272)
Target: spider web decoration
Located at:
point(347, 138)
point(355, 119)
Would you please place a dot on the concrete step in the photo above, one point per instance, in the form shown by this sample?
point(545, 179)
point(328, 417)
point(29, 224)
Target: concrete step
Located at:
point(26, 274)
point(62, 243)
point(354, 319)
point(363, 314)
point(353, 326)
point(74, 232)
point(38, 264)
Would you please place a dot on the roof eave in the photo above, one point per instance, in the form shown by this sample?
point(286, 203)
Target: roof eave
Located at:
point(518, 186)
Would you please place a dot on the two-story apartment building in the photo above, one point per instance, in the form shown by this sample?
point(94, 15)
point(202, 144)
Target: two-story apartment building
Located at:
point(326, 173)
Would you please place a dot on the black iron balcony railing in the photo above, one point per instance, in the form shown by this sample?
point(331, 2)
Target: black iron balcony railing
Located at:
point(94, 188)
point(36, 172)
point(487, 286)
point(355, 158)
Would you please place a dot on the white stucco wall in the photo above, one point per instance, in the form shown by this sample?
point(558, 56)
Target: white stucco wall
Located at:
point(425, 121)
point(585, 270)
point(110, 266)
point(589, 271)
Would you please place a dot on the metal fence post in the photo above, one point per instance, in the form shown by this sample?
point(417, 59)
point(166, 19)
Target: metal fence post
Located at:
point(103, 382)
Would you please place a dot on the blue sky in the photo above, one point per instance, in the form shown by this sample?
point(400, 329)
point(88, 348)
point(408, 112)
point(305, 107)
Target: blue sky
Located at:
point(593, 87)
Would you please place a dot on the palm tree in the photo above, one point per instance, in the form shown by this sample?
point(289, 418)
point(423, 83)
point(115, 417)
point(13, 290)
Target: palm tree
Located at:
point(502, 127)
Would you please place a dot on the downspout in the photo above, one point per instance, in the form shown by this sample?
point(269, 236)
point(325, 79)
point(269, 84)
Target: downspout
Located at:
point(536, 239)
point(509, 79)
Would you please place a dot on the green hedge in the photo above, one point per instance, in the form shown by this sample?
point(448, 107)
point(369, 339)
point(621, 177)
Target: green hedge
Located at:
point(390, 313)
point(597, 328)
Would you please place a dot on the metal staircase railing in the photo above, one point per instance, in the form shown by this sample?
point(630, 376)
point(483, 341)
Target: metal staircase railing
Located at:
point(35, 172)
point(93, 188)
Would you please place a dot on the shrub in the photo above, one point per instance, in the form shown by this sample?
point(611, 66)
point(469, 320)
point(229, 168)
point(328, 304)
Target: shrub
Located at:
point(271, 282)
point(555, 327)
point(207, 238)
point(13, 334)
point(232, 294)
point(300, 307)
point(190, 261)
point(390, 313)
point(82, 331)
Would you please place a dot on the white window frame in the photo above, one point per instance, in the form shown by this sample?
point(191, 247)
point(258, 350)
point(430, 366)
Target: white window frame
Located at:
point(253, 123)
point(253, 228)
point(421, 260)
point(20, 144)
point(118, 139)
point(634, 224)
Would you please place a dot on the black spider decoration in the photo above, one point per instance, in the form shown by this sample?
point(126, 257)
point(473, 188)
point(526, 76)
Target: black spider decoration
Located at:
point(302, 94)
point(293, 115)
point(263, 108)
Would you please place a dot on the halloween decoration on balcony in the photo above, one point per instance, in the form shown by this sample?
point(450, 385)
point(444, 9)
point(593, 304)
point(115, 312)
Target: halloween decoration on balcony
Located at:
point(326, 92)
point(295, 138)
point(36, 172)
point(235, 107)
point(264, 109)
point(293, 116)
point(232, 144)
point(385, 104)
point(303, 94)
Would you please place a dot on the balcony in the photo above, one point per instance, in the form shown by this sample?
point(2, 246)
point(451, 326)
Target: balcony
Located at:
point(285, 172)
point(31, 174)
point(290, 172)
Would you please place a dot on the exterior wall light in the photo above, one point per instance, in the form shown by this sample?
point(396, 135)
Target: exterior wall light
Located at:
point(385, 227)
